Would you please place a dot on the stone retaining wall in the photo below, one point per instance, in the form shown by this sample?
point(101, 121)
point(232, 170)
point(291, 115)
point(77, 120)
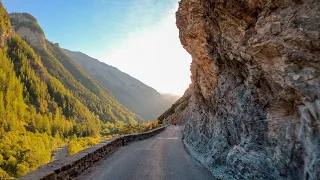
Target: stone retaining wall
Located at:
point(73, 165)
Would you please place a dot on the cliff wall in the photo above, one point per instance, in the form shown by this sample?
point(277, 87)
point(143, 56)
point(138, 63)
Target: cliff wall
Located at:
point(254, 109)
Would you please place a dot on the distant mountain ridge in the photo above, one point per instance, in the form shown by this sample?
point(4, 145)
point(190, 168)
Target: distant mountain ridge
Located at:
point(132, 93)
point(172, 98)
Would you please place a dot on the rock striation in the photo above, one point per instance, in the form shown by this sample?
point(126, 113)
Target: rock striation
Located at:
point(254, 109)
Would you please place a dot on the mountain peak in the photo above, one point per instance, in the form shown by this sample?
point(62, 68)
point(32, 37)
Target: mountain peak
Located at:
point(28, 28)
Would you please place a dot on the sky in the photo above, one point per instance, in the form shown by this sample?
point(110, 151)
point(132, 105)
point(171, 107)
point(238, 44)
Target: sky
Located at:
point(138, 37)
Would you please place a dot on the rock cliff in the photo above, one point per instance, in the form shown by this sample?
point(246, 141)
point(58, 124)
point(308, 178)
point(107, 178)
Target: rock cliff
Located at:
point(254, 109)
point(28, 28)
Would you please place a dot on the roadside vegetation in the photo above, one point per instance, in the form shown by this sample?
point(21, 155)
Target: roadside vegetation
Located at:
point(79, 144)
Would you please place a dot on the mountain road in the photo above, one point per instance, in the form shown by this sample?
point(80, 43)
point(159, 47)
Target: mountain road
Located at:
point(162, 157)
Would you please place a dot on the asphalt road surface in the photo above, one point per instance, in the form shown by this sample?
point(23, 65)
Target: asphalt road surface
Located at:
point(162, 157)
point(61, 153)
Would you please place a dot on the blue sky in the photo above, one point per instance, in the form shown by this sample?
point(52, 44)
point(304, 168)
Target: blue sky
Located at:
point(137, 36)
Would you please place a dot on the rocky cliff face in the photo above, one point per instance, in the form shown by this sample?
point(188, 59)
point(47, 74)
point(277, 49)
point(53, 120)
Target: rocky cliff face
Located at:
point(28, 28)
point(254, 110)
point(177, 113)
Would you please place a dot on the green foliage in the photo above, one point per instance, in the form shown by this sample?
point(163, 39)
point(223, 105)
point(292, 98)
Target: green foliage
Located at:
point(126, 89)
point(81, 143)
point(49, 97)
point(23, 152)
point(88, 91)
point(136, 128)
point(111, 128)
point(32, 123)
point(22, 169)
point(3, 174)
point(38, 113)
point(5, 25)
point(64, 72)
point(108, 130)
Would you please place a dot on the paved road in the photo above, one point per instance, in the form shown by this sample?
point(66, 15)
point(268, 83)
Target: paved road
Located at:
point(161, 157)
point(61, 153)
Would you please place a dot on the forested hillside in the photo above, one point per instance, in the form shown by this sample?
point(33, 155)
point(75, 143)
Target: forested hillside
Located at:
point(45, 99)
point(132, 93)
point(60, 66)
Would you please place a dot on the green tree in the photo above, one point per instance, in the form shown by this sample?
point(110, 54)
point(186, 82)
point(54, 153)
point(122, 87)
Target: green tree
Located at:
point(3, 174)
point(22, 169)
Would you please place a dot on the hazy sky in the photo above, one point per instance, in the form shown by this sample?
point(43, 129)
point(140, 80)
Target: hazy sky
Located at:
point(138, 37)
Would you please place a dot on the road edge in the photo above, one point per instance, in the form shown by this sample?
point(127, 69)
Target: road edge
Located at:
point(73, 165)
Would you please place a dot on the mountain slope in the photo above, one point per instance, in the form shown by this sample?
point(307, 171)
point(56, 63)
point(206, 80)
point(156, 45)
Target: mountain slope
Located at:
point(46, 100)
point(136, 96)
point(172, 98)
point(60, 66)
point(37, 112)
